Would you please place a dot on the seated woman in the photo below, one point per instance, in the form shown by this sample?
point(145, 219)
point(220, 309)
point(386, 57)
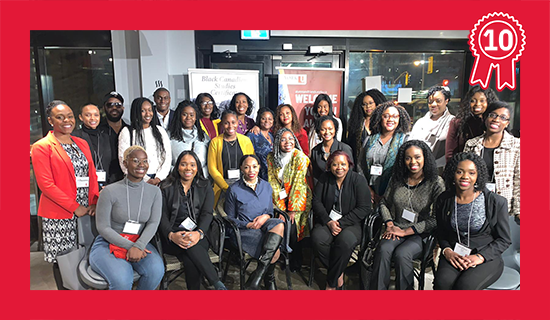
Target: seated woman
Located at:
point(323, 107)
point(326, 127)
point(286, 170)
point(128, 215)
point(263, 140)
point(145, 131)
point(224, 153)
point(406, 210)
point(341, 202)
point(209, 114)
point(501, 153)
point(186, 134)
point(285, 117)
point(249, 205)
point(472, 227)
point(187, 206)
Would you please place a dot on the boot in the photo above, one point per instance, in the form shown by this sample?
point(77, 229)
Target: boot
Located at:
point(271, 244)
point(269, 278)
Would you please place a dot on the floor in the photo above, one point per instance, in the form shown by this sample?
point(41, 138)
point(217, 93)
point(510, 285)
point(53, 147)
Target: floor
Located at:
point(42, 278)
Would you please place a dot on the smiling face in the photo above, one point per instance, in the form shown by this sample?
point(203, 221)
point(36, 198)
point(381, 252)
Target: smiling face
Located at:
point(323, 108)
point(465, 176)
point(250, 169)
point(478, 103)
point(62, 119)
point(207, 106)
point(241, 105)
point(285, 117)
point(146, 114)
point(339, 167)
point(137, 165)
point(368, 105)
point(162, 101)
point(90, 116)
point(113, 109)
point(437, 104)
point(187, 168)
point(414, 160)
point(229, 124)
point(326, 131)
point(266, 121)
point(287, 142)
point(494, 123)
point(188, 117)
point(390, 119)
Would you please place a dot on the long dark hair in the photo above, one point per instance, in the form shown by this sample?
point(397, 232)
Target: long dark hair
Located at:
point(465, 110)
point(174, 176)
point(215, 111)
point(233, 103)
point(357, 115)
point(322, 97)
point(137, 124)
point(176, 125)
point(450, 169)
point(296, 127)
point(400, 170)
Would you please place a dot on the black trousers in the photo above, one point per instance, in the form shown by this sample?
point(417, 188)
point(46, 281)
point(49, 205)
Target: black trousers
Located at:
point(448, 277)
point(403, 252)
point(296, 256)
point(195, 261)
point(335, 252)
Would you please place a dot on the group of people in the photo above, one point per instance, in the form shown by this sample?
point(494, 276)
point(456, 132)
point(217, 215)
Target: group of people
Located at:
point(166, 171)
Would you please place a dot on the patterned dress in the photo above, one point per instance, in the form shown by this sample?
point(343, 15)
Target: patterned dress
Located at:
point(59, 235)
point(297, 189)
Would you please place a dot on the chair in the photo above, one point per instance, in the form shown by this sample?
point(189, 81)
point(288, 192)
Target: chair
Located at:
point(86, 235)
point(237, 253)
point(174, 268)
point(510, 278)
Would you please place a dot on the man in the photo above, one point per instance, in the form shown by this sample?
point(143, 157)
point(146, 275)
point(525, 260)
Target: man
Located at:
point(162, 106)
point(113, 124)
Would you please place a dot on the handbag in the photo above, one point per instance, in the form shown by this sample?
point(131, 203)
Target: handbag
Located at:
point(68, 266)
point(121, 252)
point(367, 261)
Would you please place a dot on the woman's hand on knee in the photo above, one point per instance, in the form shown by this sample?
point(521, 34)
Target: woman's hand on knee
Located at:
point(178, 238)
point(459, 262)
point(134, 254)
point(259, 221)
point(334, 227)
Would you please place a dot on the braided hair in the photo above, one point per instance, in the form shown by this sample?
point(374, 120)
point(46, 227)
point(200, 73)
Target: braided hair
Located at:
point(137, 124)
point(277, 153)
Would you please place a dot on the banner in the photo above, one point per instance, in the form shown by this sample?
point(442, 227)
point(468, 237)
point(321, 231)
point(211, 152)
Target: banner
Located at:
point(300, 86)
point(222, 84)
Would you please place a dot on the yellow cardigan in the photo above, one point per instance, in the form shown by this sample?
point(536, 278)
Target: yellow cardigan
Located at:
point(215, 165)
point(215, 122)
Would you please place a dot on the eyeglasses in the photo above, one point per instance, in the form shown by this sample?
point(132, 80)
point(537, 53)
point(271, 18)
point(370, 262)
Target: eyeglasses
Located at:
point(501, 117)
point(387, 116)
point(136, 161)
point(204, 103)
point(113, 104)
point(287, 140)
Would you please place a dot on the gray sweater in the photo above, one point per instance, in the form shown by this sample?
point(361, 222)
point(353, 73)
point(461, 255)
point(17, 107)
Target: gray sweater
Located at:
point(421, 198)
point(112, 212)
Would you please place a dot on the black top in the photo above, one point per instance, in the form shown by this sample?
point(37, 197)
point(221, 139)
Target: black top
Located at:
point(488, 157)
point(356, 199)
point(115, 172)
point(231, 154)
point(102, 153)
point(493, 238)
point(318, 161)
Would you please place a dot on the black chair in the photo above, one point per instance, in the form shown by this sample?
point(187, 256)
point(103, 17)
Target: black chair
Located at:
point(174, 268)
point(236, 253)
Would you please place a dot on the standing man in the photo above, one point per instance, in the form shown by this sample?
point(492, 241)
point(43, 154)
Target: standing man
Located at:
point(112, 124)
point(162, 105)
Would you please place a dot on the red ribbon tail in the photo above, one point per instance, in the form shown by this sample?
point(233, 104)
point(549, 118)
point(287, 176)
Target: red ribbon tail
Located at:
point(481, 72)
point(506, 75)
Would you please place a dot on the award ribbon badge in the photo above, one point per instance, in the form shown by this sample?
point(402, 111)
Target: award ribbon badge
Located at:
point(496, 41)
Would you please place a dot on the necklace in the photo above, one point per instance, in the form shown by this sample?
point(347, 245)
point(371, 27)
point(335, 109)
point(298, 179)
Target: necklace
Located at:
point(231, 143)
point(251, 185)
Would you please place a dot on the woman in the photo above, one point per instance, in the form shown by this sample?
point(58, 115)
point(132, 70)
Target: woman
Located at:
point(468, 123)
point(144, 131)
point(434, 126)
point(389, 126)
point(98, 141)
point(65, 173)
point(472, 227)
point(208, 114)
point(263, 140)
point(326, 127)
point(285, 117)
point(224, 152)
point(323, 107)
point(186, 134)
point(359, 119)
point(406, 210)
point(241, 104)
point(128, 215)
point(286, 170)
point(187, 206)
point(341, 202)
point(249, 205)
point(501, 153)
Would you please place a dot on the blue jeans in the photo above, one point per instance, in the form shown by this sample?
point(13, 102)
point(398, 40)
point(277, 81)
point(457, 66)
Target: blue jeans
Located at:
point(119, 273)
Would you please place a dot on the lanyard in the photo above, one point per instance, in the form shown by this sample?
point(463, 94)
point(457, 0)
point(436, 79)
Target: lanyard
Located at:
point(128, 198)
point(191, 208)
point(339, 198)
point(411, 194)
point(229, 155)
point(469, 217)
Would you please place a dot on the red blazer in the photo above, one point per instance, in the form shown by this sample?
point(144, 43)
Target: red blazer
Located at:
point(55, 176)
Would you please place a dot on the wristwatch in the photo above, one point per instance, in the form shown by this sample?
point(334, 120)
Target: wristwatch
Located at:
point(201, 233)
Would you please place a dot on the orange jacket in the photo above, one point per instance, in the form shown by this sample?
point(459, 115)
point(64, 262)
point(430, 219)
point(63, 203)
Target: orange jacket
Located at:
point(55, 176)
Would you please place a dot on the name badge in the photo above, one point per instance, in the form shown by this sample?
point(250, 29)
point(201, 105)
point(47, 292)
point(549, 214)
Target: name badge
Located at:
point(131, 227)
point(376, 170)
point(409, 215)
point(188, 224)
point(334, 216)
point(82, 182)
point(462, 249)
point(282, 194)
point(101, 176)
point(233, 174)
point(491, 186)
